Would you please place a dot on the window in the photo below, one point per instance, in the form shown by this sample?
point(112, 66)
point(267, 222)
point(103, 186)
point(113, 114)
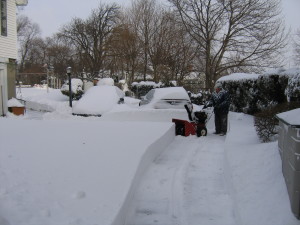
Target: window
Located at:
point(3, 17)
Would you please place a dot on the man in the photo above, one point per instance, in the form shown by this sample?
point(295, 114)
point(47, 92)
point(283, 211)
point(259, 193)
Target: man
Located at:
point(220, 100)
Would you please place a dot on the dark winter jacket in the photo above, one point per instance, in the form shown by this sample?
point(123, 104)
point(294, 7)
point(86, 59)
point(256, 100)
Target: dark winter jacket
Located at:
point(220, 101)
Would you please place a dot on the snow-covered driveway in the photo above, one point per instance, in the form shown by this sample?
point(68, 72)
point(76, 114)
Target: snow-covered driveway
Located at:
point(60, 169)
point(185, 185)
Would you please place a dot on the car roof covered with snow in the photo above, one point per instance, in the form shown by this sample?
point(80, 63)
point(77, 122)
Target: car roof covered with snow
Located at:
point(171, 93)
point(163, 98)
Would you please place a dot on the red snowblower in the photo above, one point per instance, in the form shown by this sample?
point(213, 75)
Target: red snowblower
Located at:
point(196, 125)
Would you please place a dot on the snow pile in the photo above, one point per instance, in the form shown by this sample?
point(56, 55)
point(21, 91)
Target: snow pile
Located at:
point(40, 100)
point(14, 103)
point(69, 177)
point(98, 100)
point(106, 81)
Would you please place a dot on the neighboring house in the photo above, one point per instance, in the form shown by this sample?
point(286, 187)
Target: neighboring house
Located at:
point(8, 50)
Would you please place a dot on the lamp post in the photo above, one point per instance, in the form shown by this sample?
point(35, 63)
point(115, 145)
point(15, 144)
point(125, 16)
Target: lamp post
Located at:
point(50, 70)
point(70, 85)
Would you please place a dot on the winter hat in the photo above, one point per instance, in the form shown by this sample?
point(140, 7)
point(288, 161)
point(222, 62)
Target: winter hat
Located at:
point(218, 85)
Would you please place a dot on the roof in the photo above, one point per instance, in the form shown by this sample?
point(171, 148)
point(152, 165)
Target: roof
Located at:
point(291, 117)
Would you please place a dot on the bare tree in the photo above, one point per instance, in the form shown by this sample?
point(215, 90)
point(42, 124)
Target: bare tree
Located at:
point(124, 51)
point(90, 36)
point(60, 55)
point(171, 50)
point(233, 34)
point(297, 48)
point(144, 19)
point(28, 32)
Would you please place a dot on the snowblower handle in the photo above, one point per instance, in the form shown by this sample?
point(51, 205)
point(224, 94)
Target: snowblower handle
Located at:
point(189, 112)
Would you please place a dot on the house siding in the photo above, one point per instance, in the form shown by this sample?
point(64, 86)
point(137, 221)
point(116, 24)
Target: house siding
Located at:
point(8, 56)
point(8, 44)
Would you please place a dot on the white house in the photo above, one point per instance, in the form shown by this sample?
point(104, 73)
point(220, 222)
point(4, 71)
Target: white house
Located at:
point(8, 50)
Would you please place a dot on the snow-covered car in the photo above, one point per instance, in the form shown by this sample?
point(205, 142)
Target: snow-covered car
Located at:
point(98, 100)
point(166, 98)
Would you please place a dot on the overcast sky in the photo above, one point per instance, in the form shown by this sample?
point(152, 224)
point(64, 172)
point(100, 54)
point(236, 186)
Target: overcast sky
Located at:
point(52, 14)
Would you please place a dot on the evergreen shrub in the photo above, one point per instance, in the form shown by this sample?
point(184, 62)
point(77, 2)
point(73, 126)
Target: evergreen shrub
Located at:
point(77, 90)
point(252, 95)
point(200, 98)
point(140, 89)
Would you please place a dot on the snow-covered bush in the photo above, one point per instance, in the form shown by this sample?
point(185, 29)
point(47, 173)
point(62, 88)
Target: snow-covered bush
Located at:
point(200, 98)
point(252, 93)
point(243, 91)
point(142, 88)
point(292, 90)
point(271, 87)
point(76, 86)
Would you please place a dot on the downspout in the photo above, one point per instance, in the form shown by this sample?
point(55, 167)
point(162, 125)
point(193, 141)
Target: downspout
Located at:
point(2, 105)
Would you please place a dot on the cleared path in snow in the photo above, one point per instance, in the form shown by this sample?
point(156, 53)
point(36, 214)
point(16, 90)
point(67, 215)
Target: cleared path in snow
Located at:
point(185, 186)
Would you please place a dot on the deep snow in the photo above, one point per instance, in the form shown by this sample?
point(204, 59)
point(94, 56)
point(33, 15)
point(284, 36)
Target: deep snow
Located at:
point(56, 169)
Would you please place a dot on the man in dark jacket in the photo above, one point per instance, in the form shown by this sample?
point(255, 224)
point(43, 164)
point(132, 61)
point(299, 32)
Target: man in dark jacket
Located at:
point(220, 100)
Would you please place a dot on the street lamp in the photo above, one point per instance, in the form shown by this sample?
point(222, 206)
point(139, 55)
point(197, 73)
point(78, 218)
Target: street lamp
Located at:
point(70, 85)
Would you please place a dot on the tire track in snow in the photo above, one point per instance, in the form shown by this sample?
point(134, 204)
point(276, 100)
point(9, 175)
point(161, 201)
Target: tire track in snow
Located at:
point(184, 185)
point(207, 197)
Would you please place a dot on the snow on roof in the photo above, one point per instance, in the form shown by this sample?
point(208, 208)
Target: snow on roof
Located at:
point(239, 76)
point(291, 117)
point(14, 103)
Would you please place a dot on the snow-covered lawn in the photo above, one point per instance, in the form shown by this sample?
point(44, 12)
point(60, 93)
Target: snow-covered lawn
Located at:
point(68, 170)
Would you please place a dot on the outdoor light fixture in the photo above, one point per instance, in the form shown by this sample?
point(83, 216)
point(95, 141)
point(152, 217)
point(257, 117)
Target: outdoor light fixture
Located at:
point(69, 69)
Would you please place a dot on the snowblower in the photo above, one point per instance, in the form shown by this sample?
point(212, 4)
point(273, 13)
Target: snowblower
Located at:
point(196, 125)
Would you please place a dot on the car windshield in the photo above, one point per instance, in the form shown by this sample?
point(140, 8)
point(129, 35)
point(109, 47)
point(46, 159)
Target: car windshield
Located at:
point(149, 95)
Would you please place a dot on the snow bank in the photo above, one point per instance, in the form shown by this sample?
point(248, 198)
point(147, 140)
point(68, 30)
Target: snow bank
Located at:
point(150, 154)
point(74, 172)
point(40, 100)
